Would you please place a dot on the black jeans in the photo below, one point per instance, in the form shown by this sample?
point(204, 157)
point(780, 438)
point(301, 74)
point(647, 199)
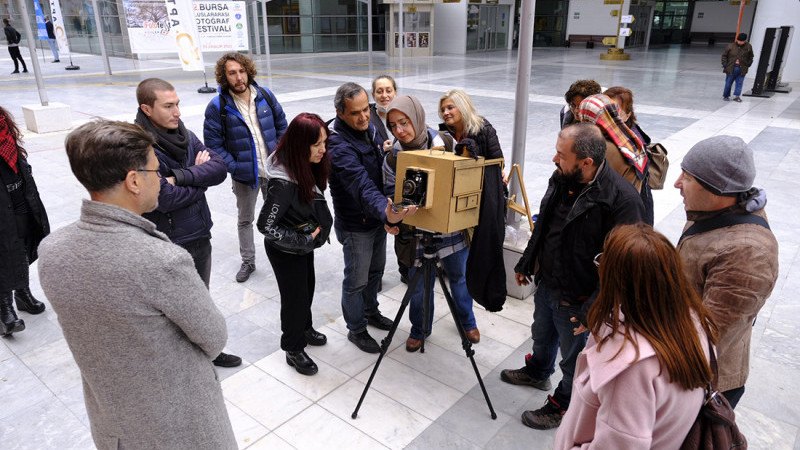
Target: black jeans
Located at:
point(200, 249)
point(16, 55)
point(295, 276)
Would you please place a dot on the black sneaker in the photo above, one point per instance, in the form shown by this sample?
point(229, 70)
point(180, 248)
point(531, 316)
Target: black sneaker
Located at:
point(520, 377)
point(314, 337)
point(547, 417)
point(245, 271)
point(226, 360)
point(727, 99)
point(737, 99)
point(380, 322)
point(364, 341)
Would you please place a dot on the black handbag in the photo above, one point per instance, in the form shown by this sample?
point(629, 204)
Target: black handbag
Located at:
point(715, 426)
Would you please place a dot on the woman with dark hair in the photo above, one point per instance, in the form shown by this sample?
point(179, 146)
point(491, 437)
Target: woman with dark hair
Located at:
point(23, 224)
point(625, 152)
point(639, 383)
point(295, 220)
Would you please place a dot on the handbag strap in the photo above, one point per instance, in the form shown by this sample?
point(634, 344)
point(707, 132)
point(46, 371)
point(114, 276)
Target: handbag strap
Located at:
point(714, 368)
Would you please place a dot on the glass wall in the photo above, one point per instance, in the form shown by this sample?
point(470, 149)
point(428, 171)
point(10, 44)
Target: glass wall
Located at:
point(322, 26)
point(549, 23)
point(672, 22)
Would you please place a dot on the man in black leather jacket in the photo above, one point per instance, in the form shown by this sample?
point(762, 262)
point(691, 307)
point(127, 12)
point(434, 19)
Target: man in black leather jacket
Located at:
point(585, 199)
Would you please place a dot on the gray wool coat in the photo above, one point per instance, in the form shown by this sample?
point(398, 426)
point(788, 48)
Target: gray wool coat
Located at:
point(143, 329)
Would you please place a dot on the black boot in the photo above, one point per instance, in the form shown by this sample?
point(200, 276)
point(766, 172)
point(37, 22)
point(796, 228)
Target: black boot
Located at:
point(26, 302)
point(301, 362)
point(9, 323)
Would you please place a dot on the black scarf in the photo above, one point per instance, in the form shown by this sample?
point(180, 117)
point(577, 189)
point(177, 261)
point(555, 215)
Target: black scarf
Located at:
point(174, 142)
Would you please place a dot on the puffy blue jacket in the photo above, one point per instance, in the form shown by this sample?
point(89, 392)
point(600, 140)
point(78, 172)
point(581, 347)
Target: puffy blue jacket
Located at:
point(238, 148)
point(356, 177)
point(182, 213)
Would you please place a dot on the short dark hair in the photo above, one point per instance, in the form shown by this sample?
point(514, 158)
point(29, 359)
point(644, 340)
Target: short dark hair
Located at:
point(146, 91)
point(584, 88)
point(102, 152)
point(588, 141)
point(380, 77)
point(247, 63)
point(5, 21)
point(347, 91)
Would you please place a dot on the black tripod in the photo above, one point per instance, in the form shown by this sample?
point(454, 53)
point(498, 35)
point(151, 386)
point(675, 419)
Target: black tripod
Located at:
point(430, 263)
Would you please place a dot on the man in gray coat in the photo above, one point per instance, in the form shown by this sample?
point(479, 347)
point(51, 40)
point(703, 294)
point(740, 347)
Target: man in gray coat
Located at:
point(138, 319)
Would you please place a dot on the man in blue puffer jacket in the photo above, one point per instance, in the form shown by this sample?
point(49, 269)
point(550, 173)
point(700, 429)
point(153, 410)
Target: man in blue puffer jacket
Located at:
point(186, 168)
point(243, 124)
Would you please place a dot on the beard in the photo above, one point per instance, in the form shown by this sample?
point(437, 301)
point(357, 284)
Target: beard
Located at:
point(239, 91)
point(569, 177)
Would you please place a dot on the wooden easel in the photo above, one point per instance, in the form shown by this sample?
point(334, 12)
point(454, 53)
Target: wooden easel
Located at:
point(513, 205)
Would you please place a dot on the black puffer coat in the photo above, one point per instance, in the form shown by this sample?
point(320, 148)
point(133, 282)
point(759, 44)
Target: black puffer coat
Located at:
point(285, 221)
point(14, 256)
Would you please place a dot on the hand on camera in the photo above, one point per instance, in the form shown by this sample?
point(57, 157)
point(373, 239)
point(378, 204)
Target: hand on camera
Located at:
point(395, 216)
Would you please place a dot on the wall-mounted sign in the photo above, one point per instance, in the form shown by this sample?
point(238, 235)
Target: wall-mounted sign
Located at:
point(624, 31)
point(627, 19)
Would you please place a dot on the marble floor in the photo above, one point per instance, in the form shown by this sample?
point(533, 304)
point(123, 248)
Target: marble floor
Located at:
point(417, 401)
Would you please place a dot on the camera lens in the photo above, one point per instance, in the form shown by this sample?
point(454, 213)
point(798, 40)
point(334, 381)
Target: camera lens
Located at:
point(409, 187)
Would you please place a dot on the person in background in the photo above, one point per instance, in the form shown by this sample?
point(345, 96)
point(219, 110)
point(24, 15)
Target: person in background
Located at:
point(136, 315)
point(625, 152)
point(639, 383)
point(23, 224)
point(729, 252)
point(13, 37)
point(406, 120)
point(486, 275)
point(736, 59)
point(384, 90)
point(623, 98)
point(295, 220)
point(51, 38)
point(577, 91)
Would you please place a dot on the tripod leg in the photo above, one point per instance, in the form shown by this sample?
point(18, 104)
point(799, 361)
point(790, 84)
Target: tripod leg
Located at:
point(428, 268)
point(385, 342)
point(465, 343)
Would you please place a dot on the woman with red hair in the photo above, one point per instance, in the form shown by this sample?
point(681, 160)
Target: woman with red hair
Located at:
point(295, 220)
point(639, 381)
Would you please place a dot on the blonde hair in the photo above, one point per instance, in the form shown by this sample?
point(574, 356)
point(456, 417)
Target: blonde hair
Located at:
point(473, 123)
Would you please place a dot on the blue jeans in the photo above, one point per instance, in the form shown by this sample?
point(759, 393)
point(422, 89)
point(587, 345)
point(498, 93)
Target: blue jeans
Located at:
point(53, 48)
point(455, 266)
point(552, 330)
point(364, 260)
point(729, 79)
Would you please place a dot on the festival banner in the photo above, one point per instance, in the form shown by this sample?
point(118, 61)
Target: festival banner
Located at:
point(222, 25)
point(41, 27)
point(58, 27)
point(183, 30)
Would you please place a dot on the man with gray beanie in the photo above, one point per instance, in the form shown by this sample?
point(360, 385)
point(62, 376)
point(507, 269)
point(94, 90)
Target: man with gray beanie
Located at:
point(729, 252)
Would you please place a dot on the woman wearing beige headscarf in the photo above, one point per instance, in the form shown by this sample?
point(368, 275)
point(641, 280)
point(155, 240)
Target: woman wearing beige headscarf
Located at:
point(625, 152)
point(406, 121)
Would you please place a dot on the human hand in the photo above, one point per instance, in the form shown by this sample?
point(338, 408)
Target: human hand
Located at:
point(201, 157)
point(394, 231)
point(522, 280)
point(315, 233)
point(170, 180)
point(580, 329)
point(505, 178)
point(395, 216)
point(387, 145)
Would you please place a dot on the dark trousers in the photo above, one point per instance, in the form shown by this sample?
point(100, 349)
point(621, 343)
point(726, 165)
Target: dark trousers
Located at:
point(200, 249)
point(15, 55)
point(295, 277)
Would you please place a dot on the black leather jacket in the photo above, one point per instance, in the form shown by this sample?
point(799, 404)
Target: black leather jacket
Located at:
point(283, 215)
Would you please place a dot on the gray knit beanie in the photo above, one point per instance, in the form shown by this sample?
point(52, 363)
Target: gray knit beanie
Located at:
point(722, 164)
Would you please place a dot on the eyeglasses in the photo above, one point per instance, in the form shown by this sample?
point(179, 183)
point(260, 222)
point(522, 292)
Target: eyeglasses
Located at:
point(149, 170)
point(597, 259)
point(399, 124)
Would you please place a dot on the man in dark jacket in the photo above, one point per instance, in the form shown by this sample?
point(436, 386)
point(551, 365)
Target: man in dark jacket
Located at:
point(736, 59)
point(359, 206)
point(186, 168)
point(13, 37)
point(51, 38)
point(243, 125)
point(585, 199)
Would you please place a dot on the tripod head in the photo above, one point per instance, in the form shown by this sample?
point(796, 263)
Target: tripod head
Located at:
point(428, 240)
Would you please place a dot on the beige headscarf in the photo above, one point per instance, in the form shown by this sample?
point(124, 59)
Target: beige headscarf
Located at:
point(412, 108)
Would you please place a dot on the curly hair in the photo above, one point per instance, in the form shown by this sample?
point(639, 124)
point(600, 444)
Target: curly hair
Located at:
point(582, 88)
point(247, 63)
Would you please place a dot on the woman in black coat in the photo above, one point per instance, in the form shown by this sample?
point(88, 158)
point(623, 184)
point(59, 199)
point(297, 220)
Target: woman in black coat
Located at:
point(295, 220)
point(23, 224)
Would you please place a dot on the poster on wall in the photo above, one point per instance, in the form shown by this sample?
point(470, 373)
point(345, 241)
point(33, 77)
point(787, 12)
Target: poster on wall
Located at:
point(222, 25)
point(423, 40)
point(411, 40)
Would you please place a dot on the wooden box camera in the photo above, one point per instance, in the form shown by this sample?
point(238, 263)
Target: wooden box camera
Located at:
point(446, 189)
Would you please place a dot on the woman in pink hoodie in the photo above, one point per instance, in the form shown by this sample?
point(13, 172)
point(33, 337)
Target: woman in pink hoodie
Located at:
point(639, 381)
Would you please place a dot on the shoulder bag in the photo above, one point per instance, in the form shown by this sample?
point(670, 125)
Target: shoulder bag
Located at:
point(659, 164)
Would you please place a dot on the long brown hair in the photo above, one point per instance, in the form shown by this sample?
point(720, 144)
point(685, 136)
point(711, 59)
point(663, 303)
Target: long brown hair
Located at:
point(294, 150)
point(643, 289)
point(13, 130)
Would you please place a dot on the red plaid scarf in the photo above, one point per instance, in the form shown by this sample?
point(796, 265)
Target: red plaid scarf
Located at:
point(8, 145)
point(601, 111)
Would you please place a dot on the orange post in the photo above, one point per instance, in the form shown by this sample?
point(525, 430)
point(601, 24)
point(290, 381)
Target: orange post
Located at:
point(741, 13)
